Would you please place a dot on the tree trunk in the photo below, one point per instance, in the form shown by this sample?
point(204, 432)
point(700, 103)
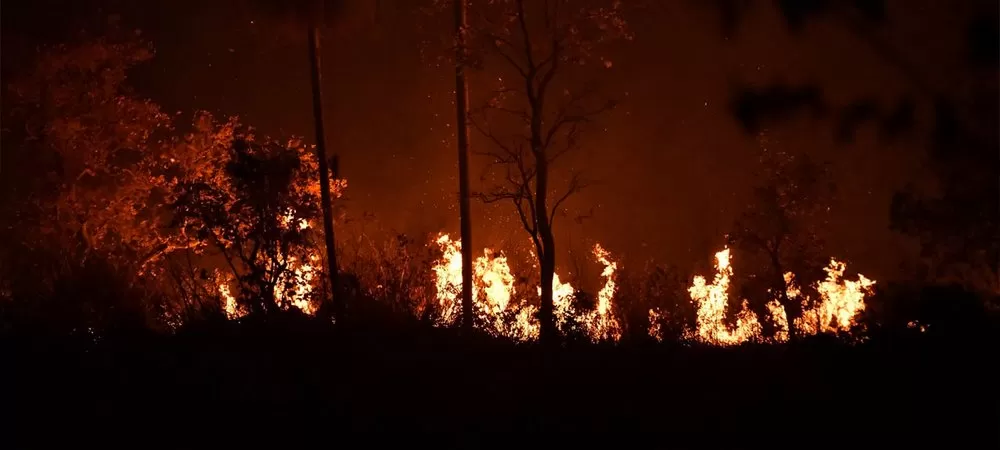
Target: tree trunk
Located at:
point(462, 109)
point(547, 253)
point(548, 332)
point(336, 305)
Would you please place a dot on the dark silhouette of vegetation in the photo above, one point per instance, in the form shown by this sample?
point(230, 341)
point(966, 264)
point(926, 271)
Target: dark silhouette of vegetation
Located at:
point(782, 229)
point(956, 224)
point(123, 232)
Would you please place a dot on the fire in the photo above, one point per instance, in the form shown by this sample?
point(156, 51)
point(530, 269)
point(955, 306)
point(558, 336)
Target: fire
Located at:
point(494, 293)
point(492, 280)
point(842, 301)
point(229, 305)
point(839, 304)
point(562, 301)
point(655, 325)
point(448, 278)
point(293, 287)
point(713, 301)
point(601, 323)
point(299, 278)
point(780, 320)
point(608, 291)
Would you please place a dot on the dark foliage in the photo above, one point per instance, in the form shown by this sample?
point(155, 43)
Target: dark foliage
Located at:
point(296, 377)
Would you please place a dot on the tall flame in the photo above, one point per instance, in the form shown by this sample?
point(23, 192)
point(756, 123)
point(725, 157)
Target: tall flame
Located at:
point(839, 304)
point(601, 323)
point(494, 293)
point(841, 301)
point(492, 280)
point(713, 302)
point(294, 285)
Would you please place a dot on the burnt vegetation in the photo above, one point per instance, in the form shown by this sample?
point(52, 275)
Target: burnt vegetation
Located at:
point(166, 275)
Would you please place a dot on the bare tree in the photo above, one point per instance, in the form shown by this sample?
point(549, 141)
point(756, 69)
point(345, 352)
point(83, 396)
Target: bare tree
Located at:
point(537, 42)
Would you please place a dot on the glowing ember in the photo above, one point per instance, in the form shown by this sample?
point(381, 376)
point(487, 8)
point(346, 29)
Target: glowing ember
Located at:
point(780, 320)
point(655, 324)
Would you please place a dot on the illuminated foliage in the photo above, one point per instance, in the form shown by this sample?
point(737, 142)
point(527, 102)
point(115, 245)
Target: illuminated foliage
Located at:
point(254, 203)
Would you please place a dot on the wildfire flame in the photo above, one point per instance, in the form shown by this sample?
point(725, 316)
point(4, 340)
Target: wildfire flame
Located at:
point(839, 304)
point(493, 288)
point(713, 301)
point(494, 292)
point(842, 301)
point(229, 302)
point(295, 285)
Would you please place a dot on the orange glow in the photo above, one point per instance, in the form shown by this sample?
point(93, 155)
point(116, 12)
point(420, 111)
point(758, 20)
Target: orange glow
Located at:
point(713, 302)
point(229, 302)
point(840, 303)
point(494, 296)
point(493, 289)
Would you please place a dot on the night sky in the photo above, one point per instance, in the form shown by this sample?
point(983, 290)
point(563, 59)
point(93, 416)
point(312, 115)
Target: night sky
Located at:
point(675, 167)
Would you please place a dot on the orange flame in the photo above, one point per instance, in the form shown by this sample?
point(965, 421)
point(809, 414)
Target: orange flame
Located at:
point(713, 301)
point(840, 303)
point(493, 280)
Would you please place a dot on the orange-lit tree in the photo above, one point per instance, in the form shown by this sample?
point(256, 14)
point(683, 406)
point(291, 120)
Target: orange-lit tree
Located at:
point(80, 165)
point(311, 15)
point(252, 202)
point(538, 117)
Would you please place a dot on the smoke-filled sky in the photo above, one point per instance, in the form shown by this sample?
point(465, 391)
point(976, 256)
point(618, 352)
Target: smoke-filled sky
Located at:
point(674, 166)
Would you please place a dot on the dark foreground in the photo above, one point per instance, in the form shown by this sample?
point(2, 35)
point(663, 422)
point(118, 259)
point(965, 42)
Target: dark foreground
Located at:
point(301, 381)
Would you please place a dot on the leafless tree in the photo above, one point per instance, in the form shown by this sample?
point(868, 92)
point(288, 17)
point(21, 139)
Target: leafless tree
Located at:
point(530, 124)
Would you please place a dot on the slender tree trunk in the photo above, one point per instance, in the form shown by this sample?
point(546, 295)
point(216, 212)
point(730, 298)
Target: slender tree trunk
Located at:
point(336, 306)
point(462, 109)
point(548, 332)
point(547, 254)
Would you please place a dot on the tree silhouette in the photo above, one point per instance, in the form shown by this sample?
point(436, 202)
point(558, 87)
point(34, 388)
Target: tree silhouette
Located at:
point(536, 43)
point(956, 224)
point(782, 228)
point(250, 207)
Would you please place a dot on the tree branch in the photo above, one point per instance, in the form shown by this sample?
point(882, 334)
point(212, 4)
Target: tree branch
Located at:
point(576, 184)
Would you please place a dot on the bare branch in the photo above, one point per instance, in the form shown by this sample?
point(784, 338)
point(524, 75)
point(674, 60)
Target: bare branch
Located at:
point(576, 184)
point(510, 59)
